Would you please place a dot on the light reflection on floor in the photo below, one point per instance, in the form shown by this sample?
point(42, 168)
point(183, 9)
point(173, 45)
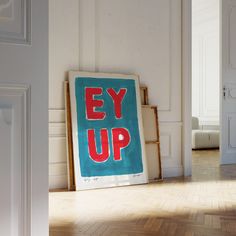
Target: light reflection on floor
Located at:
point(204, 203)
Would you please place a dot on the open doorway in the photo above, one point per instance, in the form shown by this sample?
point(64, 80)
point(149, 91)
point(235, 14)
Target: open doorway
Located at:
point(205, 87)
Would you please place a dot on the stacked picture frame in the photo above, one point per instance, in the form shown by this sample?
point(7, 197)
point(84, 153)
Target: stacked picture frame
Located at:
point(152, 142)
point(151, 137)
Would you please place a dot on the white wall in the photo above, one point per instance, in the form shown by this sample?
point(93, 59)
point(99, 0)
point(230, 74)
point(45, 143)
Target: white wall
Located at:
point(135, 36)
point(63, 56)
point(205, 58)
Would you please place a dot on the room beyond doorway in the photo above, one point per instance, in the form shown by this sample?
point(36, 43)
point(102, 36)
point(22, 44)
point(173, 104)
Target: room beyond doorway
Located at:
point(205, 83)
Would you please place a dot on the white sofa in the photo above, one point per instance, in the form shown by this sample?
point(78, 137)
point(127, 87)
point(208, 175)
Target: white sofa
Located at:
point(204, 139)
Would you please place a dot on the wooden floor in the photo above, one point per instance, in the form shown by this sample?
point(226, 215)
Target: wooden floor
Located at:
point(202, 205)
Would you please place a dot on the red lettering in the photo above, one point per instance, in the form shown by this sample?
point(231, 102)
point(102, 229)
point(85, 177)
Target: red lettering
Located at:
point(92, 103)
point(121, 139)
point(117, 99)
point(104, 155)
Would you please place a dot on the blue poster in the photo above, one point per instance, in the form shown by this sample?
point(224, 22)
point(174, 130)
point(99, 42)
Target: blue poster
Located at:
point(108, 131)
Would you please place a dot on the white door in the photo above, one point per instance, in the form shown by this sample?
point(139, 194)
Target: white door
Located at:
point(228, 85)
point(24, 117)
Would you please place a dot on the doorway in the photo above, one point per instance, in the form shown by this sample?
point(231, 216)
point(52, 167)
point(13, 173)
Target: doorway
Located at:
point(205, 86)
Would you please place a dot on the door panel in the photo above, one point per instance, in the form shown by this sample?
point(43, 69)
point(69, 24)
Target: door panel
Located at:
point(24, 117)
point(14, 171)
point(5, 139)
point(228, 85)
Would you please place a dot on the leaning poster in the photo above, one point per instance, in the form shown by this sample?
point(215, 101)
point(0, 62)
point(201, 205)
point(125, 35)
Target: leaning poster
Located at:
point(108, 141)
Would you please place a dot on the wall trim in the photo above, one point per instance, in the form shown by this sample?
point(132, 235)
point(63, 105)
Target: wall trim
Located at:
point(187, 86)
point(56, 115)
point(57, 130)
point(175, 171)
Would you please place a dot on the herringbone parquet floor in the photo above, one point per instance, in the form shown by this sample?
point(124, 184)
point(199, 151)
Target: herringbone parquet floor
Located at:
point(204, 205)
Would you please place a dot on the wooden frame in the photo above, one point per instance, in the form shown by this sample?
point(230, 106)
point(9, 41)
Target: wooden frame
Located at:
point(144, 95)
point(155, 140)
point(70, 159)
point(95, 173)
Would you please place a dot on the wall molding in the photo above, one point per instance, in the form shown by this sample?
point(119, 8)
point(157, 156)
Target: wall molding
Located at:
point(232, 10)
point(56, 115)
point(91, 62)
point(206, 111)
point(172, 171)
point(17, 98)
point(57, 130)
point(170, 133)
point(167, 137)
point(231, 121)
point(232, 93)
point(171, 38)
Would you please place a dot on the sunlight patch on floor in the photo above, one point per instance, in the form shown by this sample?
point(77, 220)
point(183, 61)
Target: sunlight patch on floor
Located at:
point(152, 200)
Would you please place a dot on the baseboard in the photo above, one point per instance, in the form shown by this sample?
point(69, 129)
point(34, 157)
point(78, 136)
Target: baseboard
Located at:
point(58, 182)
point(172, 171)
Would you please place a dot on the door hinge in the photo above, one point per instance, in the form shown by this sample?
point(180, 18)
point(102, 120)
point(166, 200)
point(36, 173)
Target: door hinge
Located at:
point(224, 92)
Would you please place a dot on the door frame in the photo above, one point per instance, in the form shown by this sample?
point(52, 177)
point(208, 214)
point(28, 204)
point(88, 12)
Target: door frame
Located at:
point(187, 86)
